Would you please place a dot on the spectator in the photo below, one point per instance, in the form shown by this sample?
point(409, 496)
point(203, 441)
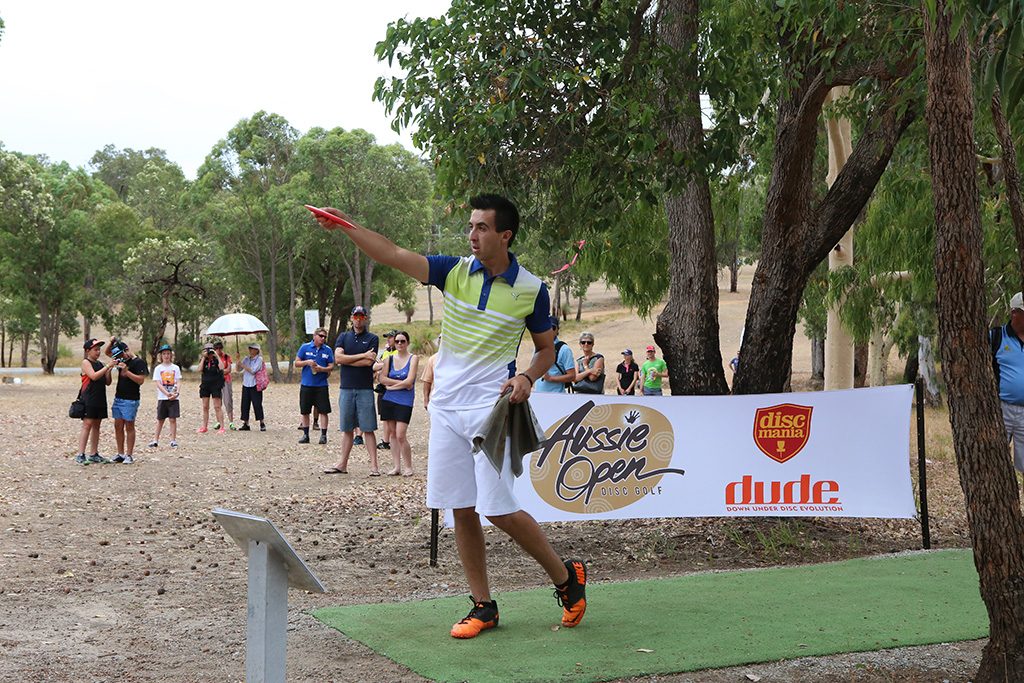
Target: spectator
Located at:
point(427, 381)
point(95, 380)
point(355, 351)
point(251, 396)
point(562, 373)
point(651, 373)
point(399, 376)
point(627, 371)
point(317, 362)
point(131, 373)
point(211, 384)
point(167, 377)
point(589, 368)
point(380, 388)
point(1008, 364)
point(225, 393)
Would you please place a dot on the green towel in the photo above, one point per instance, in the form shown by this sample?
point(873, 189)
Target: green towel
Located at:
point(510, 430)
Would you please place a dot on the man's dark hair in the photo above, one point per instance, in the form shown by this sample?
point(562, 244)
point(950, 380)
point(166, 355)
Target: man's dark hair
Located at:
point(506, 215)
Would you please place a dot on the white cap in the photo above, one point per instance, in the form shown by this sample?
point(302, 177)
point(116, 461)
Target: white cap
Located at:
point(1017, 301)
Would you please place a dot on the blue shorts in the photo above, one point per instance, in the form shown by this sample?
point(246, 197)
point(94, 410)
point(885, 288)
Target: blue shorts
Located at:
point(123, 409)
point(357, 410)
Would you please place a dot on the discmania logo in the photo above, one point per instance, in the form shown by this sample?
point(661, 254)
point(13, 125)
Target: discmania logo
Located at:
point(604, 457)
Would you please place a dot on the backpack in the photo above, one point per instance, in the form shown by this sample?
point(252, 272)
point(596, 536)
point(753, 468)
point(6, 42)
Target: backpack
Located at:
point(558, 347)
point(995, 340)
point(262, 380)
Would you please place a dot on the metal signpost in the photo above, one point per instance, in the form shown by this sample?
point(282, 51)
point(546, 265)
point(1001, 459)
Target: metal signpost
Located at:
point(274, 566)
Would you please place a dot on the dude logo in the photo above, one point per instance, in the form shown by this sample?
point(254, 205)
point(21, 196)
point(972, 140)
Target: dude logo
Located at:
point(781, 431)
point(604, 457)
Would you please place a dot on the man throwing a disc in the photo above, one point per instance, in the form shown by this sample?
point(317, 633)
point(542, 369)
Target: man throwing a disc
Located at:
point(490, 300)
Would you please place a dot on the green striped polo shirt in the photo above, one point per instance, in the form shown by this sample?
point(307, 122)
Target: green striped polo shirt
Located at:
point(484, 321)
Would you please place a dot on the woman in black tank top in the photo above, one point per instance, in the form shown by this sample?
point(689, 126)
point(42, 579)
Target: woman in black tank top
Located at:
point(95, 379)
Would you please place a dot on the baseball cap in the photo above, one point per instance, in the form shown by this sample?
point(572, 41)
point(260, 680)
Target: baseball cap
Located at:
point(358, 310)
point(391, 333)
point(627, 352)
point(90, 343)
point(1017, 301)
point(555, 323)
point(254, 345)
point(218, 344)
point(650, 348)
point(164, 347)
point(207, 346)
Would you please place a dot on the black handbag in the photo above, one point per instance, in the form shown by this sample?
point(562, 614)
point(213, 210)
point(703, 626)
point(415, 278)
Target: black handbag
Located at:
point(77, 409)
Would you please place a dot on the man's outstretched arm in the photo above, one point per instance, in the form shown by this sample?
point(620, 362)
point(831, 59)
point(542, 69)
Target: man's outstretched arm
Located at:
point(380, 248)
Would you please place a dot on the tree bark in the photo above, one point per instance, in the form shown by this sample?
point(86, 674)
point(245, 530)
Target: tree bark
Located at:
point(979, 439)
point(687, 329)
point(798, 233)
point(1011, 175)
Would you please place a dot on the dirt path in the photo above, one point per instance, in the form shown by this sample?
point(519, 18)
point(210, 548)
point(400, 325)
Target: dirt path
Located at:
point(119, 573)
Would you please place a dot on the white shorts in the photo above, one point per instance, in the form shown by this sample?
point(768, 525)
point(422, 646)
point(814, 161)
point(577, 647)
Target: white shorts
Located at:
point(459, 478)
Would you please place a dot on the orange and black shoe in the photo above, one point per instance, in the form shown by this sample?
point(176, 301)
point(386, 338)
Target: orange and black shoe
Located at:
point(483, 616)
point(572, 595)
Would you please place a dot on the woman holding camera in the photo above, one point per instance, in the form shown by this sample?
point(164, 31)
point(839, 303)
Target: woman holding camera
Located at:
point(95, 379)
point(211, 384)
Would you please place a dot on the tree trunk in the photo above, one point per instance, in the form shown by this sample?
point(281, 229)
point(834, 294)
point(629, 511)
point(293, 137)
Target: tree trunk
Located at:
point(26, 339)
point(798, 234)
point(556, 297)
point(860, 365)
point(979, 439)
point(818, 361)
point(3, 344)
point(687, 329)
point(49, 336)
point(86, 327)
point(1012, 176)
point(927, 372)
point(734, 274)
point(272, 321)
point(579, 308)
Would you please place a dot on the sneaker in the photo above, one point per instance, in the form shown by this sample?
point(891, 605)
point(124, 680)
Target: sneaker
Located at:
point(202, 430)
point(304, 438)
point(81, 459)
point(323, 439)
point(358, 441)
point(263, 427)
point(128, 460)
point(97, 459)
point(216, 425)
point(154, 444)
point(118, 459)
point(174, 444)
point(484, 615)
point(221, 430)
point(231, 426)
point(244, 428)
point(384, 446)
point(572, 596)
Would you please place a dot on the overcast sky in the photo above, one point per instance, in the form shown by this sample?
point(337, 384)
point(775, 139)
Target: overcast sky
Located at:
point(75, 76)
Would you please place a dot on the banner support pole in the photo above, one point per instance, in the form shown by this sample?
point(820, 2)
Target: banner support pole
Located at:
point(922, 476)
point(433, 537)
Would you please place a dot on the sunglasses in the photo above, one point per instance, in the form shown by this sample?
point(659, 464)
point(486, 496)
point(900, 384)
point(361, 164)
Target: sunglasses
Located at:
point(322, 336)
point(588, 343)
point(401, 341)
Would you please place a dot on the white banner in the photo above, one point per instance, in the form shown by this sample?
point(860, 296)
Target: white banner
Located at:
point(821, 454)
point(312, 320)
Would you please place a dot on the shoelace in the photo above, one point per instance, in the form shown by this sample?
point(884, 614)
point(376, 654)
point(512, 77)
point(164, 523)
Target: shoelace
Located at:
point(476, 608)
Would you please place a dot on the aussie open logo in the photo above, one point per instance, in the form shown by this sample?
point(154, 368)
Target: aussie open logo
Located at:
point(604, 457)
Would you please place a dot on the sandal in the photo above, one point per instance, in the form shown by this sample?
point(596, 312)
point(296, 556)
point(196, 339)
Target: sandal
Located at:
point(394, 473)
point(374, 473)
point(335, 470)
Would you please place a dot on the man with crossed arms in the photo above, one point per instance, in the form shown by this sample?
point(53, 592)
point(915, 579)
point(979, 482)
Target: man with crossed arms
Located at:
point(489, 293)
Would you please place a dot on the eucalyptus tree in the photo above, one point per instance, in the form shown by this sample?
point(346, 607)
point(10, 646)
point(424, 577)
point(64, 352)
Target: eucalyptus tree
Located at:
point(385, 186)
point(239, 198)
point(979, 438)
point(145, 180)
point(605, 98)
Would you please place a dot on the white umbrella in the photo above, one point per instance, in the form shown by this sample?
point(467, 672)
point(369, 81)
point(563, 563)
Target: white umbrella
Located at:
point(234, 324)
